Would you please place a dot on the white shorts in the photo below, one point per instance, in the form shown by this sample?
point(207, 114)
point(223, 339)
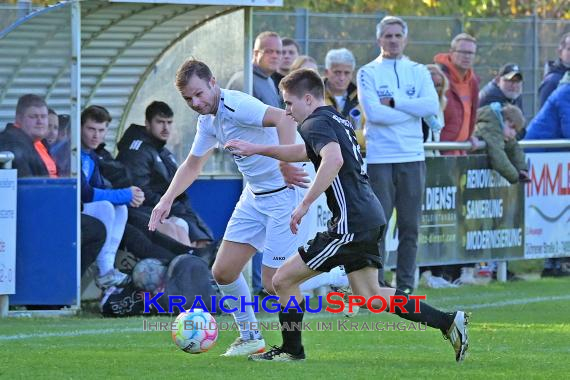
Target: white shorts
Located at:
point(262, 221)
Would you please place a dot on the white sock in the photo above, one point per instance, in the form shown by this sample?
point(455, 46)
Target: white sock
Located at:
point(244, 319)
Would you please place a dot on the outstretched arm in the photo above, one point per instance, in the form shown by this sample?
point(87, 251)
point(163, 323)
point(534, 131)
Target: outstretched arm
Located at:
point(184, 177)
point(286, 126)
point(289, 153)
point(330, 166)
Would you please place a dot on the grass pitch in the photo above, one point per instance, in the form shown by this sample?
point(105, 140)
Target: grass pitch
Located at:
point(517, 329)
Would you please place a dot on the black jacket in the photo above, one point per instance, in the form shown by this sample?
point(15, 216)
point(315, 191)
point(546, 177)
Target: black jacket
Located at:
point(555, 70)
point(491, 93)
point(26, 158)
point(150, 164)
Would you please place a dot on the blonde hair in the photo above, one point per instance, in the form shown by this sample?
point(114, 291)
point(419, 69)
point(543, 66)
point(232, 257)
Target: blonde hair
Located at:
point(435, 69)
point(462, 37)
point(514, 115)
point(301, 61)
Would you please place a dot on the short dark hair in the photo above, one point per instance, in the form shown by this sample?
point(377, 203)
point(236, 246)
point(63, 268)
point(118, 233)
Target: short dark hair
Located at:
point(51, 112)
point(303, 81)
point(27, 101)
point(158, 108)
point(289, 41)
point(190, 68)
point(96, 113)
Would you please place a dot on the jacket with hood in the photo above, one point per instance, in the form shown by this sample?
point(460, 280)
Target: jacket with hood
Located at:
point(553, 120)
point(506, 157)
point(555, 70)
point(26, 158)
point(150, 164)
point(454, 112)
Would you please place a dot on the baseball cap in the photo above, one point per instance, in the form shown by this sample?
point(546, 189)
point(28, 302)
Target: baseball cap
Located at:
point(510, 70)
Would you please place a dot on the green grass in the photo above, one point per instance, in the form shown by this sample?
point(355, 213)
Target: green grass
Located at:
point(516, 330)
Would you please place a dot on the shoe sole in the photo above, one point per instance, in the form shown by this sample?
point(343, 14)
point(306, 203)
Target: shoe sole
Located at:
point(260, 351)
point(463, 353)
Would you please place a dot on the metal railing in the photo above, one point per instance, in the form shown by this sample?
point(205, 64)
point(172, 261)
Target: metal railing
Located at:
point(6, 160)
point(452, 145)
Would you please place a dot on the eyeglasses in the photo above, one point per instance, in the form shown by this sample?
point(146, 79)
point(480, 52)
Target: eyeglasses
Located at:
point(438, 85)
point(270, 51)
point(465, 52)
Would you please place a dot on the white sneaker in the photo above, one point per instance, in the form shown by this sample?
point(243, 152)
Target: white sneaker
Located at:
point(242, 347)
point(436, 282)
point(114, 277)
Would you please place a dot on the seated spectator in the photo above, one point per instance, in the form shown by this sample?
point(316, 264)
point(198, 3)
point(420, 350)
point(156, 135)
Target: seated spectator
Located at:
point(93, 237)
point(60, 150)
point(305, 62)
point(23, 138)
point(498, 125)
point(107, 205)
point(142, 150)
point(555, 70)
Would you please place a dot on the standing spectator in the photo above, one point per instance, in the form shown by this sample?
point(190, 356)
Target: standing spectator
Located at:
point(395, 94)
point(305, 62)
point(267, 51)
point(463, 94)
point(24, 138)
point(553, 122)
point(505, 88)
point(290, 53)
point(142, 150)
point(432, 125)
point(555, 70)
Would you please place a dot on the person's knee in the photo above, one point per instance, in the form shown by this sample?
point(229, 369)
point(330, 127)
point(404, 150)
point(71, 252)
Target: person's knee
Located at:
point(223, 275)
point(281, 282)
point(268, 285)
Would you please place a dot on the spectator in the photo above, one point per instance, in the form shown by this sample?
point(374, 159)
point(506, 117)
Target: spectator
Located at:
point(395, 93)
point(432, 125)
point(107, 205)
point(23, 138)
point(555, 70)
point(61, 149)
point(505, 88)
point(340, 90)
point(498, 125)
point(553, 122)
point(267, 51)
point(151, 166)
point(93, 237)
point(290, 52)
point(463, 93)
point(53, 128)
point(305, 62)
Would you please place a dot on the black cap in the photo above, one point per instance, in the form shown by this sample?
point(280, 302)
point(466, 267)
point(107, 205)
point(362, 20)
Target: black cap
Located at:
point(510, 70)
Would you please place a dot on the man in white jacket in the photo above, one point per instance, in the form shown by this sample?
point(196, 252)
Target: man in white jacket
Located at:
point(395, 93)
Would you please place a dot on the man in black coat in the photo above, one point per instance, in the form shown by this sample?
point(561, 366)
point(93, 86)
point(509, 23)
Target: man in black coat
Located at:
point(152, 166)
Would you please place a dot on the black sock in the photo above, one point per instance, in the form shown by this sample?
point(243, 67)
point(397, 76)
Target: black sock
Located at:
point(428, 314)
point(291, 323)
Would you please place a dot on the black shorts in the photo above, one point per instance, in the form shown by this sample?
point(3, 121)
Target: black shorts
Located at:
point(355, 251)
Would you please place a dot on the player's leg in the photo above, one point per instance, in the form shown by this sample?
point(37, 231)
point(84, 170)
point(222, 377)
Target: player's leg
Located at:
point(452, 325)
point(286, 283)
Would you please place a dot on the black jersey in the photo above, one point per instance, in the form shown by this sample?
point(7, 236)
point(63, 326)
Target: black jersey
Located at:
point(350, 197)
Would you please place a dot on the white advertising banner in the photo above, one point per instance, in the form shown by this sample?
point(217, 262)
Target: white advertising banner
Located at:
point(8, 185)
point(547, 206)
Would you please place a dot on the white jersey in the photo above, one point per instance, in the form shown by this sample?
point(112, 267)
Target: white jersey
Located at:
point(240, 116)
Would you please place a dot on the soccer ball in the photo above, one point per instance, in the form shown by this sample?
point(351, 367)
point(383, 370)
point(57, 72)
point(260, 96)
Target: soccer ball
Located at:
point(195, 331)
point(149, 275)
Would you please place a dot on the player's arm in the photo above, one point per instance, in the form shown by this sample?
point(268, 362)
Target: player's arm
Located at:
point(330, 166)
point(184, 177)
point(286, 126)
point(288, 153)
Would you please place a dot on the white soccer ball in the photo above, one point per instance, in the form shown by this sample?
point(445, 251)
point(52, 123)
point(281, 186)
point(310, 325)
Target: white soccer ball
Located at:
point(195, 331)
point(149, 275)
